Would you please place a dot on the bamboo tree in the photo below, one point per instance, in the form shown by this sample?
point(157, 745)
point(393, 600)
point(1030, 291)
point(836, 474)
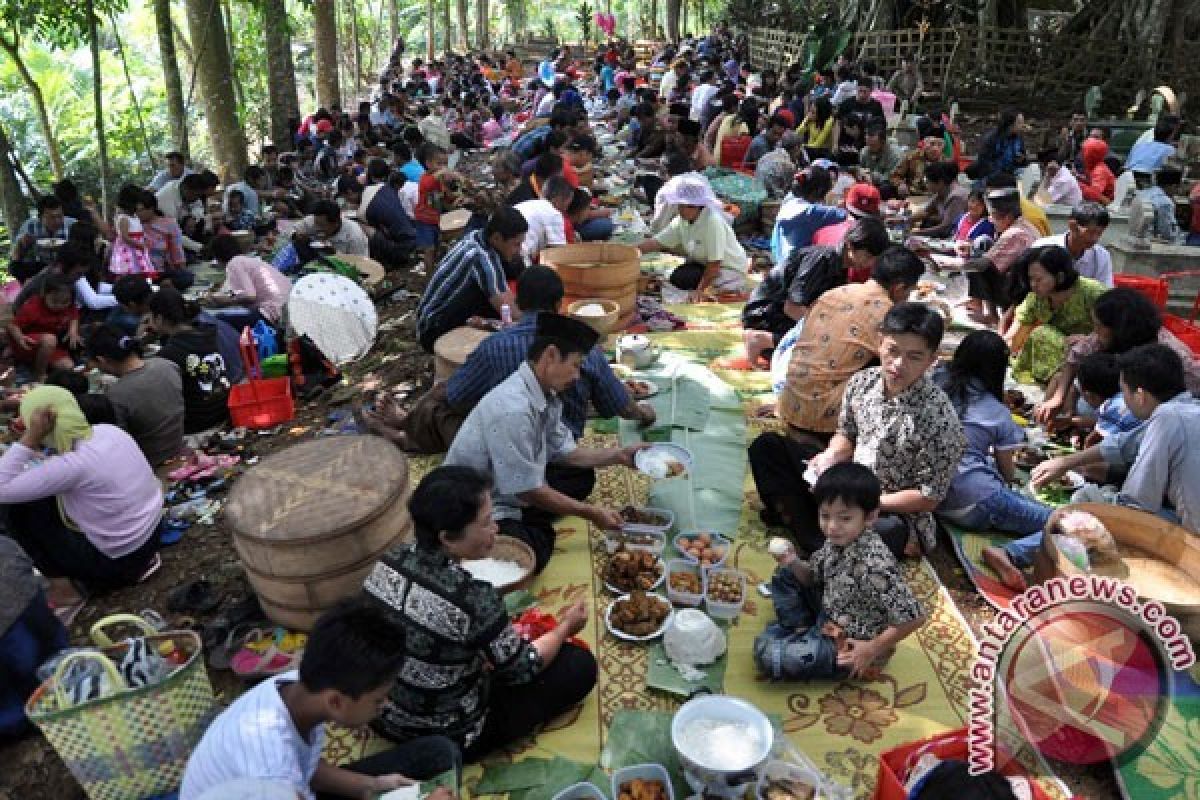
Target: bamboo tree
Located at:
point(214, 69)
point(283, 98)
point(483, 35)
point(394, 22)
point(98, 99)
point(352, 10)
point(461, 38)
point(176, 113)
point(429, 26)
point(445, 27)
point(325, 39)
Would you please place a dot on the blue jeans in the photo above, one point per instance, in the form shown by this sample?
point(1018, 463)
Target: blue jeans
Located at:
point(33, 637)
point(793, 648)
point(596, 230)
point(1008, 511)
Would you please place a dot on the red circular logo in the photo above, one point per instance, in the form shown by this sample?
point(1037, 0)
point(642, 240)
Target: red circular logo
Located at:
point(1084, 683)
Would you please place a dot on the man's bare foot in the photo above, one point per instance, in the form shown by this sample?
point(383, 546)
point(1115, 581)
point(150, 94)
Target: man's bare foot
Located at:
point(1010, 576)
point(62, 593)
point(375, 424)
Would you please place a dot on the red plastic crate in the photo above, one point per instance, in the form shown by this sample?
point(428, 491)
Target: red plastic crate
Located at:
point(261, 403)
point(1186, 332)
point(1155, 289)
point(733, 151)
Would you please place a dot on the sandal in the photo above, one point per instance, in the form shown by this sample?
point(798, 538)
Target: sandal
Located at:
point(268, 652)
point(196, 597)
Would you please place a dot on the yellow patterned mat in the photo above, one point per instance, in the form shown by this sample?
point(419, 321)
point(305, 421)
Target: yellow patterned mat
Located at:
point(843, 727)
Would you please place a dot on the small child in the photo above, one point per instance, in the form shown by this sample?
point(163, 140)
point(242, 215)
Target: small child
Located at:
point(277, 729)
point(43, 324)
point(1099, 380)
point(974, 221)
point(130, 253)
point(433, 199)
point(237, 218)
point(133, 303)
point(841, 614)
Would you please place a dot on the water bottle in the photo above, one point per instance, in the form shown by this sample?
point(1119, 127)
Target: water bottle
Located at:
point(505, 315)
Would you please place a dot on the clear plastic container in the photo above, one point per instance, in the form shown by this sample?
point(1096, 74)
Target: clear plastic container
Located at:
point(717, 609)
point(667, 521)
point(680, 598)
point(647, 772)
point(580, 791)
point(652, 541)
point(717, 540)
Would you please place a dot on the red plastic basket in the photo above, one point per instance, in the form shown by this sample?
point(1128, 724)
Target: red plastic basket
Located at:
point(1156, 289)
point(894, 764)
point(733, 151)
point(1186, 332)
point(259, 403)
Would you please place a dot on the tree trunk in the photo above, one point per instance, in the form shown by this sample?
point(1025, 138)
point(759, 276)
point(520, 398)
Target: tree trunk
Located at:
point(483, 36)
point(281, 73)
point(214, 70)
point(12, 199)
point(98, 100)
point(461, 39)
point(429, 29)
point(176, 113)
point(326, 56)
point(673, 19)
point(445, 27)
point(12, 49)
point(352, 10)
point(394, 23)
point(238, 91)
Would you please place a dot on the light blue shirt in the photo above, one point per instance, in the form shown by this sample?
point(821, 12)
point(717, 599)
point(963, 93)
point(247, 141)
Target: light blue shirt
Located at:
point(796, 223)
point(1149, 156)
point(1167, 468)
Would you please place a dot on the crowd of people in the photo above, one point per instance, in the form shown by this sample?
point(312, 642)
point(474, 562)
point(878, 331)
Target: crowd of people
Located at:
point(874, 445)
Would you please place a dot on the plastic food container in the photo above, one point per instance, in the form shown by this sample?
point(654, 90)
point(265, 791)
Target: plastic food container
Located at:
point(717, 540)
point(580, 791)
point(651, 541)
point(667, 517)
point(677, 565)
point(786, 771)
point(648, 772)
point(717, 609)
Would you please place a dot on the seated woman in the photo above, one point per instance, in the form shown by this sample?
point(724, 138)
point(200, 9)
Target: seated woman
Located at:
point(253, 288)
point(702, 235)
point(393, 239)
point(1058, 305)
point(193, 347)
point(803, 213)
point(147, 399)
point(29, 636)
point(86, 515)
point(469, 675)
point(979, 497)
point(1122, 319)
point(974, 222)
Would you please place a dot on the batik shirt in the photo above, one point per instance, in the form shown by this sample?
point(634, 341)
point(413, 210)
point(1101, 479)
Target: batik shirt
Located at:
point(911, 441)
point(458, 641)
point(862, 589)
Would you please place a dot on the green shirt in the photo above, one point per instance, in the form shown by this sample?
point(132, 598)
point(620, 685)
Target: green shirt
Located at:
point(709, 238)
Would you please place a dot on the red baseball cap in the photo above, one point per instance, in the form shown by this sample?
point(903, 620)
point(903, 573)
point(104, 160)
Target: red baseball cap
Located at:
point(862, 199)
point(324, 126)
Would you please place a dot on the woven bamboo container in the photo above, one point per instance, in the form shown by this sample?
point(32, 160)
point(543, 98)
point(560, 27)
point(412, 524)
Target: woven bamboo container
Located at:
point(309, 522)
point(451, 349)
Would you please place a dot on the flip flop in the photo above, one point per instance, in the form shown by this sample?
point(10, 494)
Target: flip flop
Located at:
point(222, 643)
point(268, 653)
point(196, 596)
point(66, 614)
point(151, 568)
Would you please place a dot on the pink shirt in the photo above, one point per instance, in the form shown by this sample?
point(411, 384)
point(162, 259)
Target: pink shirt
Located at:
point(250, 275)
point(107, 488)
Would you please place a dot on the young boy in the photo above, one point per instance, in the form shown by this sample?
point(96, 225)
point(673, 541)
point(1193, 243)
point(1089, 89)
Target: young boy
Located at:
point(433, 198)
point(842, 613)
point(1099, 379)
point(238, 218)
point(277, 729)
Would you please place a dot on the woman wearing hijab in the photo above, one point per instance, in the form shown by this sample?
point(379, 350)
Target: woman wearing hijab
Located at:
point(87, 513)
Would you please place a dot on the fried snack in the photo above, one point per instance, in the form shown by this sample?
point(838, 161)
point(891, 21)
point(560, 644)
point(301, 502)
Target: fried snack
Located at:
point(702, 548)
point(642, 789)
point(675, 468)
point(639, 614)
point(638, 516)
point(789, 790)
point(688, 582)
point(724, 587)
point(632, 569)
point(639, 389)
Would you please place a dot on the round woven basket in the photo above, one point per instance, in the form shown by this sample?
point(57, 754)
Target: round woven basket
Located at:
point(602, 324)
point(1160, 560)
point(589, 269)
point(451, 349)
point(309, 522)
point(372, 271)
point(508, 548)
point(453, 223)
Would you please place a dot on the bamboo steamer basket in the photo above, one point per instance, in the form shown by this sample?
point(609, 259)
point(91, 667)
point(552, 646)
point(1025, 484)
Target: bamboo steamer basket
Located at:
point(309, 522)
point(372, 271)
point(453, 223)
point(451, 349)
point(588, 268)
point(1158, 559)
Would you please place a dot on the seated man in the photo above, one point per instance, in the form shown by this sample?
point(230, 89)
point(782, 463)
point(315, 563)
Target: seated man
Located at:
point(1163, 478)
point(894, 420)
point(880, 158)
point(766, 141)
point(327, 224)
point(277, 729)
point(841, 614)
point(28, 255)
point(434, 421)
point(393, 239)
point(517, 436)
point(1059, 186)
point(183, 201)
point(1082, 240)
point(988, 272)
point(776, 170)
point(790, 289)
point(940, 218)
point(470, 281)
point(909, 177)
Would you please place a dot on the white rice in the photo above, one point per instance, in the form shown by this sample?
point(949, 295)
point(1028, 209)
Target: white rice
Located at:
point(721, 744)
point(590, 310)
point(494, 571)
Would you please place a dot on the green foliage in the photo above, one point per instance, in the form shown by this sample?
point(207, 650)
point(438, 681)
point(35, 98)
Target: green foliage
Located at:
point(584, 15)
